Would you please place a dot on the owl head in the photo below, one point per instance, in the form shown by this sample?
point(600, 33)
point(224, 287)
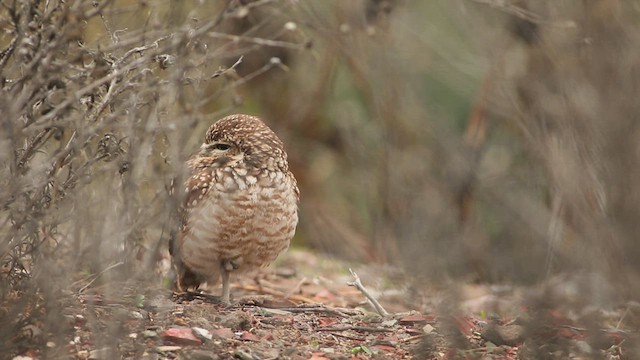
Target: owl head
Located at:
point(244, 140)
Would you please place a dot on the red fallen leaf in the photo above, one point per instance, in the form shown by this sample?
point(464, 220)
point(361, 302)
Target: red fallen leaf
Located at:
point(247, 336)
point(465, 325)
point(388, 337)
point(570, 334)
point(387, 348)
point(180, 336)
point(417, 318)
point(318, 356)
point(278, 303)
point(222, 333)
point(451, 354)
point(615, 337)
point(556, 318)
point(31, 353)
point(327, 321)
point(325, 294)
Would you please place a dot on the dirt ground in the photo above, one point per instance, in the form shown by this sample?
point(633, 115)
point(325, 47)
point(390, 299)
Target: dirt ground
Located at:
point(304, 308)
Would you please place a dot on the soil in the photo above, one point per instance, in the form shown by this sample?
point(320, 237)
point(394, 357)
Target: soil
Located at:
point(305, 309)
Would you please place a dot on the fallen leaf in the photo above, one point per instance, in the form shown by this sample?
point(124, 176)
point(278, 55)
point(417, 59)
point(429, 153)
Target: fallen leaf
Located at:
point(180, 335)
point(325, 295)
point(465, 325)
point(387, 348)
point(278, 303)
point(318, 356)
point(223, 333)
point(570, 334)
point(327, 321)
point(247, 336)
point(416, 318)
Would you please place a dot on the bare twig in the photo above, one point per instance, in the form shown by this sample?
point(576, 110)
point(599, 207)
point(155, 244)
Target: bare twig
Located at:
point(350, 337)
point(624, 314)
point(224, 70)
point(296, 288)
point(258, 41)
point(273, 292)
point(273, 62)
point(335, 311)
point(412, 338)
point(511, 9)
point(43, 121)
point(356, 328)
point(5, 54)
point(358, 285)
point(96, 276)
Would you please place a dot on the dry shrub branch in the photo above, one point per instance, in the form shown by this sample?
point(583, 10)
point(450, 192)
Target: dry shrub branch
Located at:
point(98, 104)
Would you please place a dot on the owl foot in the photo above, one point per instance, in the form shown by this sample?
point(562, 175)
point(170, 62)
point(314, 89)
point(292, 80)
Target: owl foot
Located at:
point(189, 295)
point(233, 264)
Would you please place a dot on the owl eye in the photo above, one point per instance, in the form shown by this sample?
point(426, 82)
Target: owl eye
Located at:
point(221, 146)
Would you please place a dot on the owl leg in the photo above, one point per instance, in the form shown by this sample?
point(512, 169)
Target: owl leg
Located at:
point(227, 267)
point(226, 291)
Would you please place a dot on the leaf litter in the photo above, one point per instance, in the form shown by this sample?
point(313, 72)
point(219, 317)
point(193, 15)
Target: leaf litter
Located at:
point(303, 310)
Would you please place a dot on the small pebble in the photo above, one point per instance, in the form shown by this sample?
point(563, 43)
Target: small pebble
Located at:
point(136, 315)
point(100, 354)
point(203, 334)
point(428, 329)
point(167, 348)
point(148, 334)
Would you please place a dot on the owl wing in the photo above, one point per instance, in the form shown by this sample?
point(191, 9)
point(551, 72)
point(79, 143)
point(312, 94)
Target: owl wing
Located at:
point(196, 188)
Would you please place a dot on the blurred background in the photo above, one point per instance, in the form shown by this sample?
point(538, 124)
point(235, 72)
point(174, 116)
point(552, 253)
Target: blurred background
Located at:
point(474, 141)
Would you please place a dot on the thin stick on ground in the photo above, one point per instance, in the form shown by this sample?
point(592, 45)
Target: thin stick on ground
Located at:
point(358, 285)
point(296, 288)
point(356, 328)
point(276, 293)
point(343, 312)
point(96, 276)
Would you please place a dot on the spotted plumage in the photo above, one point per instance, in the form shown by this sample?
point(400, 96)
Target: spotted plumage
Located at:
point(240, 207)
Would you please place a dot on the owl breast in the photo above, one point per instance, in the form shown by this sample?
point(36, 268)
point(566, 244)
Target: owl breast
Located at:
point(246, 219)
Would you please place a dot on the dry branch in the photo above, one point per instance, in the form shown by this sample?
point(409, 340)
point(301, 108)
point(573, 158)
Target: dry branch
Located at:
point(356, 328)
point(358, 285)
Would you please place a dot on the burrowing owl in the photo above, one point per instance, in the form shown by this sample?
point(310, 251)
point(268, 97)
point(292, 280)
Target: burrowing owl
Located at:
point(240, 210)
